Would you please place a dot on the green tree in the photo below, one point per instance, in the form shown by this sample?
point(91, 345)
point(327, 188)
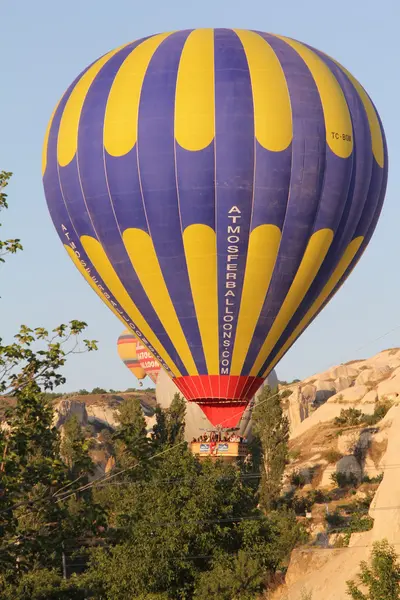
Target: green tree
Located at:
point(238, 577)
point(176, 420)
point(184, 520)
point(271, 429)
point(131, 442)
point(75, 449)
point(380, 579)
point(170, 423)
point(42, 584)
point(35, 519)
point(98, 390)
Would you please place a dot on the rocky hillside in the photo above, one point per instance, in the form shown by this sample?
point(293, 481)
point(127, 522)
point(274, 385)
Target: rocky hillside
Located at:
point(358, 383)
point(99, 409)
point(343, 477)
point(96, 414)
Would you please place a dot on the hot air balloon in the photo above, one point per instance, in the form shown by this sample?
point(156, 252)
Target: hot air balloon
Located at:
point(215, 188)
point(149, 364)
point(126, 346)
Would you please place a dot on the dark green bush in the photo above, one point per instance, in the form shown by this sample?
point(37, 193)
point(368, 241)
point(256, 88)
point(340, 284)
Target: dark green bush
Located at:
point(349, 417)
point(342, 480)
point(376, 479)
point(297, 479)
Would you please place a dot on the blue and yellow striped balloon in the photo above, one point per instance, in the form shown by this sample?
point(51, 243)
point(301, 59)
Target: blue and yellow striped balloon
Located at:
point(215, 188)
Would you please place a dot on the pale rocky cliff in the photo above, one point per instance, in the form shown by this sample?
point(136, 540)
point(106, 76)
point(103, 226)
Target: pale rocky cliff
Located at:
point(360, 382)
point(320, 448)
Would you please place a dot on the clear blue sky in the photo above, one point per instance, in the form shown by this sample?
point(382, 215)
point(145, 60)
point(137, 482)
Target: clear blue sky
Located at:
point(46, 43)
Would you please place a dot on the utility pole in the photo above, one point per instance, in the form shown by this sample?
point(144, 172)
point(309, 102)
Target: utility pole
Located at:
point(64, 562)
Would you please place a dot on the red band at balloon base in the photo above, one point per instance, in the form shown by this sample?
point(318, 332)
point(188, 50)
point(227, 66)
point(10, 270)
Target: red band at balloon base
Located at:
point(222, 398)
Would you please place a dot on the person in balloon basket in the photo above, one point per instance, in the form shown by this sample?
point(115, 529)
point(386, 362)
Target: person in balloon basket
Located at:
point(213, 446)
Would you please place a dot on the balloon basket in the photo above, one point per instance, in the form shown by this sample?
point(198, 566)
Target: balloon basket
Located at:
point(228, 451)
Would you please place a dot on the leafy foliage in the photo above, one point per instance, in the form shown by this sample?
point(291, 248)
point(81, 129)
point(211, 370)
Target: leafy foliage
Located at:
point(6, 246)
point(351, 518)
point(131, 442)
point(98, 390)
point(170, 424)
point(34, 520)
point(42, 584)
point(185, 524)
point(348, 417)
point(352, 417)
point(74, 449)
point(272, 429)
point(380, 579)
point(343, 480)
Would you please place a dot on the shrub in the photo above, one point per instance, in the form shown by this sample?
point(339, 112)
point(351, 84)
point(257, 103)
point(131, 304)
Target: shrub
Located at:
point(359, 522)
point(335, 520)
point(98, 390)
point(297, 479)
point(348, 417)
point(301, 504)
point(342, 541)
point(380, 578)
point(376, 479)
point(89, 431)
point(343, 480)
point(332, 456)
point(294, 454)
point(317, 497)
point(380, 411)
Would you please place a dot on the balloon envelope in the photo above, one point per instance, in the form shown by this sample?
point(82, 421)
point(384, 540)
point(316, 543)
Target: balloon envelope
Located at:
point(150, 365)
point(126, 347)
point(215, 188)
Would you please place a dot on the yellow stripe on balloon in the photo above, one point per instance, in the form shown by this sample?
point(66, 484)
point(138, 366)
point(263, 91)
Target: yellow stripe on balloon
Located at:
point(194, 99)
point(104, 268)
point(46, 140)
point(313, 258)
point(121, 117)
point(200, 245)
point(272, 110)
point(261, 256)
point(339, 130)
point(90, 281)
point(142, 254)
point(340, 270)
point(127, 350)
point(140, 373)
point(69, 125)
point(374, 125)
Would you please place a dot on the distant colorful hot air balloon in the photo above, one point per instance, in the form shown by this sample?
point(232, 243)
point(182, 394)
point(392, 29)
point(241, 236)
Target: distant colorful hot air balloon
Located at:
point(215, 188)
point(147, 361)
point(126, 346)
